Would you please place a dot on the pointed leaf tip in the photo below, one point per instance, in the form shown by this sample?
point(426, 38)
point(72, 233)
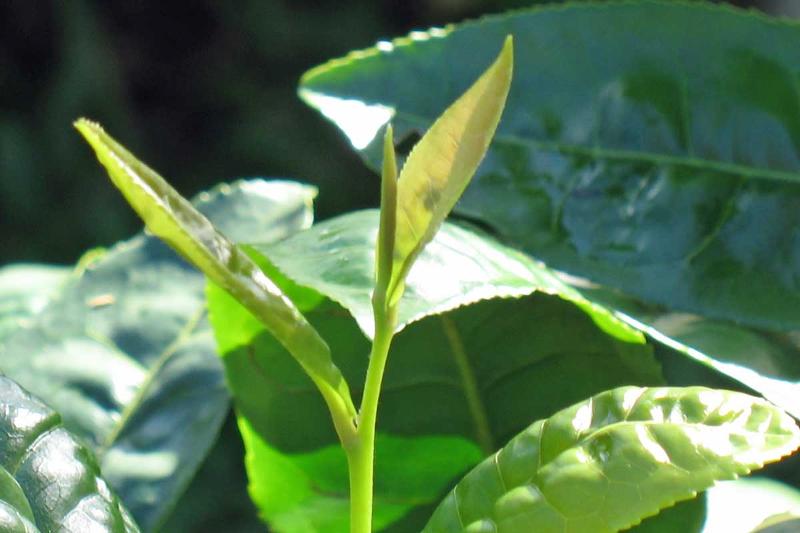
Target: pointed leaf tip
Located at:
point(173, 219)
point(443, 162)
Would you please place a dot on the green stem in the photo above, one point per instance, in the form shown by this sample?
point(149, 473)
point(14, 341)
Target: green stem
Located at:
point(361, 456)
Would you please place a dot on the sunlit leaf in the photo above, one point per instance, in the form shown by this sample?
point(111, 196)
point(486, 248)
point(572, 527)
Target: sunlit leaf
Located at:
point(766, 362)
point(173, 219)
point(487, 342)
point(441, 164)
point(745, 505)
point(604, 464)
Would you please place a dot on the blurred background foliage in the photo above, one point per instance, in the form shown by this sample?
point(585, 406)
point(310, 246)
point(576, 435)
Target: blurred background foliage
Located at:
point(204, 92)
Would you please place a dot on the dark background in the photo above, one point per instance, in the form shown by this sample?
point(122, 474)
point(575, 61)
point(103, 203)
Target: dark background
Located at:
point(204, 91)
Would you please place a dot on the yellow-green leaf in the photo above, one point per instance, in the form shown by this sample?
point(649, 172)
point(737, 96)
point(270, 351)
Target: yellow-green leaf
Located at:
point(439, 168)
point(173, 219)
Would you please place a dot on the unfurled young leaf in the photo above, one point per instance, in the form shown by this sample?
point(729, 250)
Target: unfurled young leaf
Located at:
point(606, 463)
point(488, 341)
point(173, 219)
point(49, 481)
point(440, 166)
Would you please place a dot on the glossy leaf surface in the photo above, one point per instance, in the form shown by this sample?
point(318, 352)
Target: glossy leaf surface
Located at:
point(646, 156)
point(125, 351)
point(605, 463)
point(24, 291)
point(467, 376)
point(174, 220)
point(49, 481)
point(767, 362)
point(460, 267)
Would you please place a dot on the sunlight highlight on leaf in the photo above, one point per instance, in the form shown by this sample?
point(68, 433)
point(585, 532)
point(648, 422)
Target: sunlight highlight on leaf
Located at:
point(364, 121)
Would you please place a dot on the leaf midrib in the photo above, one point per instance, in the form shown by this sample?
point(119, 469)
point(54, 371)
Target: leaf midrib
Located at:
point(638, 156)
point(131, 408)
point(469, 385)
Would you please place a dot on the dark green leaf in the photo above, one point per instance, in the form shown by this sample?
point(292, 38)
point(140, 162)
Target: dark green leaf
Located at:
point(126, 354)
point(605, 463)
point(636, 150)
point(49, 481)
point(687, 516)
point(472, 375)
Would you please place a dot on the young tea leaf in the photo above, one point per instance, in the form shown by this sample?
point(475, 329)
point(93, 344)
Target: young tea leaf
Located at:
point(440, 166)
point(384, 247)
point(604, 464)
point(173, 219)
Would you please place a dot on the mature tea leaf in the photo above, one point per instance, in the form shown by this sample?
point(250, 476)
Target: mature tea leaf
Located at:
point(173, 219)
point(125, 352)
point(462, 267)
point(49, 481)
point(604, 464)
point(646, 156)
point(467, 373)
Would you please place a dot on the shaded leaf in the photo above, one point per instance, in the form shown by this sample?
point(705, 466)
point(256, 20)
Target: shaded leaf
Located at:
point(125, 352)
point(606, 463)
point(49, 481)
point(470, 373)
point(25, 289)
point(687, 516)
point(647, 157)
point(175, 221)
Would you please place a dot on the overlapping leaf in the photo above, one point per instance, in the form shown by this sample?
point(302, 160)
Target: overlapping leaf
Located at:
point(605, 463)
point(441, 165)
point(125, 353)
point(766, 362)
point(468, 375)
point(49, 481)
point(649, 157)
